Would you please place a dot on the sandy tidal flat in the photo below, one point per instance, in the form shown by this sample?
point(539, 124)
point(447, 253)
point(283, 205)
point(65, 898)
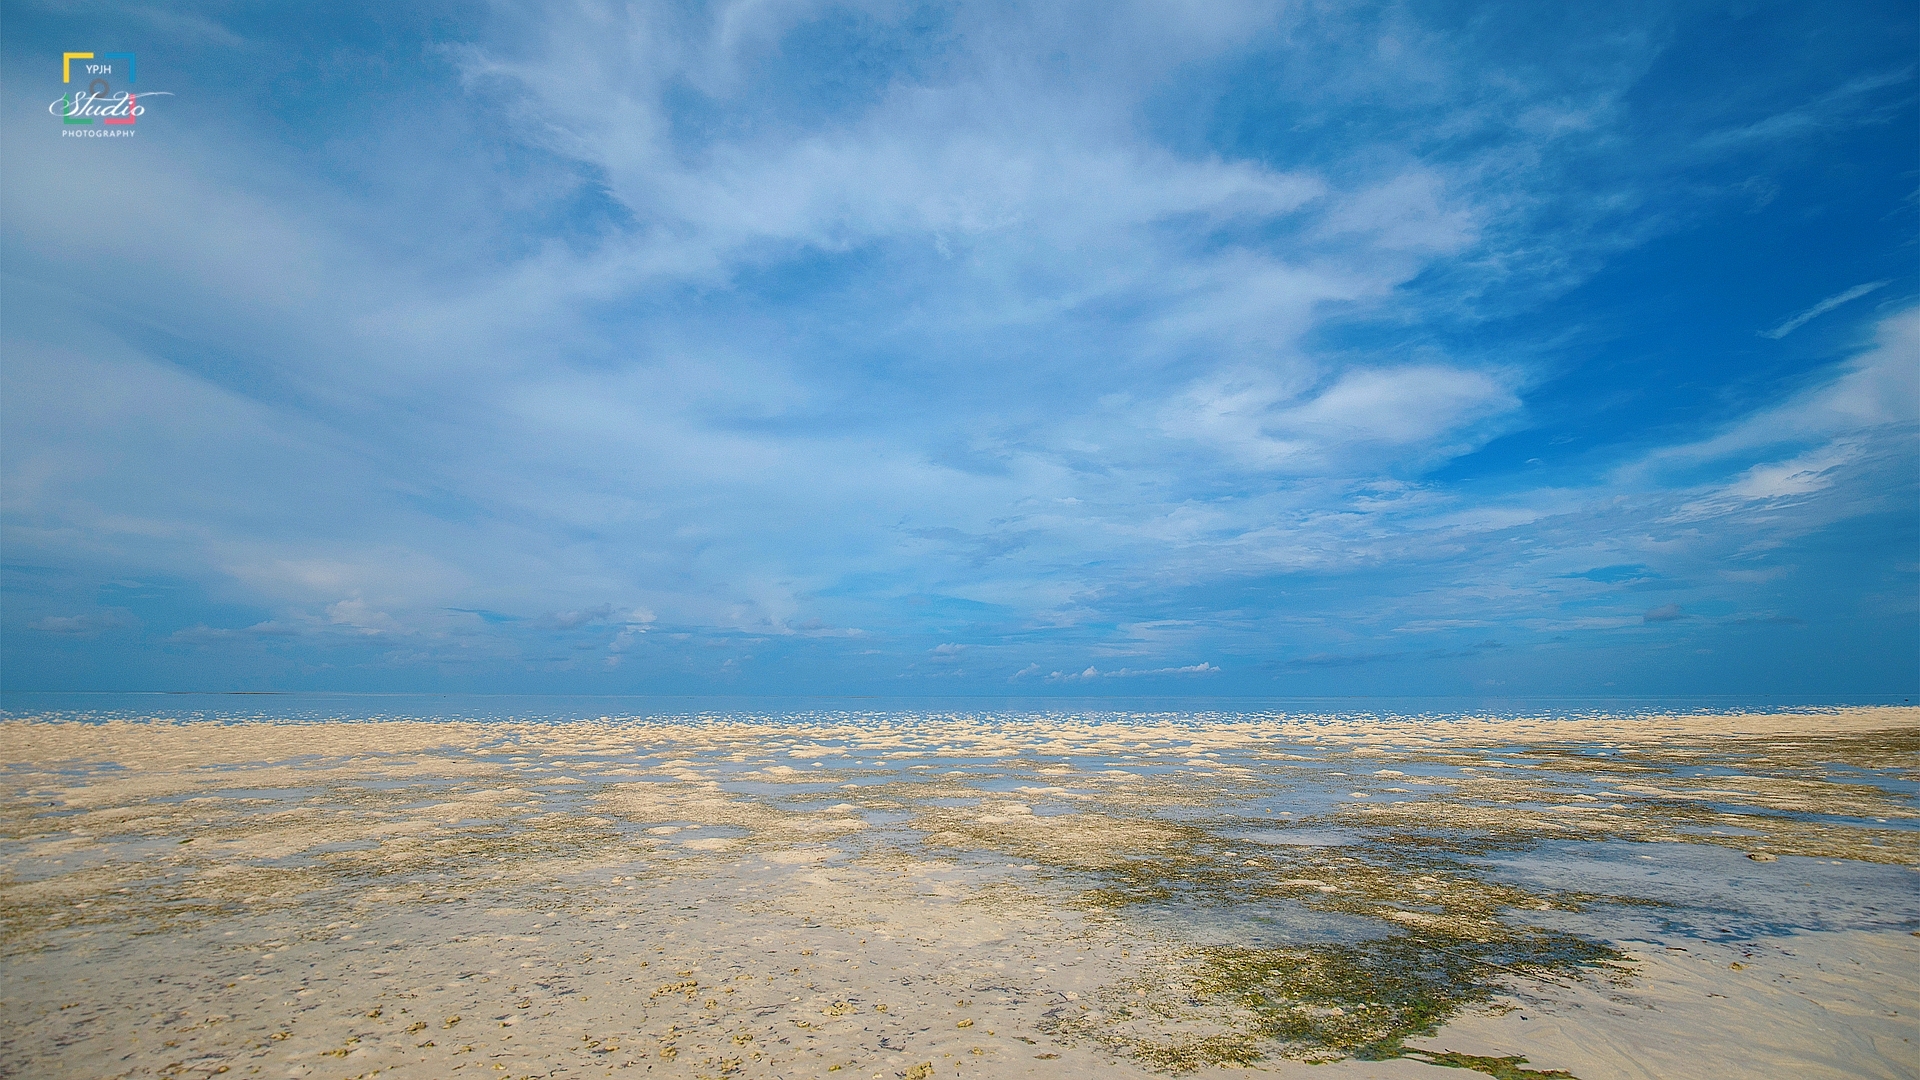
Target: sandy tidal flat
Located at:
point(842, 896)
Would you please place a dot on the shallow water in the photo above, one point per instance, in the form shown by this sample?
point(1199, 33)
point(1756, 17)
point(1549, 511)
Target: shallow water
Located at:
point(1709, 891)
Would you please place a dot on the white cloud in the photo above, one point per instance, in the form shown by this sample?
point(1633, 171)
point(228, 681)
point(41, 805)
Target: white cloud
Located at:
point(1410, 212)
point(1878, 388)
point(1803, 475)
point(360, 616)
point(1365, 418)
point(1821, 308)
point(1092, 672)
point(87, 624)
point(567, 620)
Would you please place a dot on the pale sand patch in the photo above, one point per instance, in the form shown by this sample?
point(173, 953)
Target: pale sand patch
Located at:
point(1818, 1006)
point(873, 972)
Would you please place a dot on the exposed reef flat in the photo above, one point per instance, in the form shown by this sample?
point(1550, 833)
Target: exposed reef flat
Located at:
point(895, 896)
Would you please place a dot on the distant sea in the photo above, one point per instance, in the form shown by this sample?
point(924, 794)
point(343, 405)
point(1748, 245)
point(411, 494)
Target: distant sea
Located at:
point(560, 708)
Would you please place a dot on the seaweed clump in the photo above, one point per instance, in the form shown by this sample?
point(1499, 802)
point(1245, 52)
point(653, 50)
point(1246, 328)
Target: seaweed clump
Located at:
point(1324, 1002)
point(1363, 999)
point(1500, 1068)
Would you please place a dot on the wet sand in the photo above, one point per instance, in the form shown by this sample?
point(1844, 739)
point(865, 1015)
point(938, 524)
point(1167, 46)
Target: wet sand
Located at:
point(841, 897)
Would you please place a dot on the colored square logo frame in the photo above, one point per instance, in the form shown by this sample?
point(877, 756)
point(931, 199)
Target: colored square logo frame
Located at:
point(70, 103)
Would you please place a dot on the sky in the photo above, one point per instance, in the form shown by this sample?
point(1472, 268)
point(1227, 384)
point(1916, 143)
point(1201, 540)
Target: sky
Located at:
point(1103, 349)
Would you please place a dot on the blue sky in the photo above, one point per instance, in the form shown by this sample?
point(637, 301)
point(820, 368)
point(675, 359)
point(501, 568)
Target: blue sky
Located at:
point(929, 349)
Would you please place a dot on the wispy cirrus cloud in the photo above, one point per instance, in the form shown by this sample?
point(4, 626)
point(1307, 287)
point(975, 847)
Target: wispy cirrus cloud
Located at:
point(87, 624)
point(1821, 308)
point(1090, 673)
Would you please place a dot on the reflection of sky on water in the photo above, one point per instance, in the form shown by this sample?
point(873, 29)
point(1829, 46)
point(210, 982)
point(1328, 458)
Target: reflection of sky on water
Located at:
point(1296, 837)
point(1264, 924)
point(1711, 891)
point(1276, 797)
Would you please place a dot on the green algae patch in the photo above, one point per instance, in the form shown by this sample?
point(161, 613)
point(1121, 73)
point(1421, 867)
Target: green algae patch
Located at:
point(1321, 1004)
point(1500, 1068)
point(1362, 999)
point(1780, 795)
point(1425, 937)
